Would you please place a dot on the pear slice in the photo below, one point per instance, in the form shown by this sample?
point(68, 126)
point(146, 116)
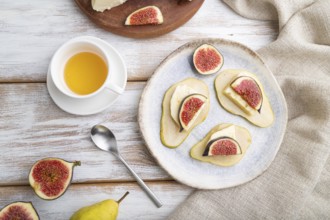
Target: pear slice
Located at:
point(239, 134)
point(170, 134)
point(230, 101)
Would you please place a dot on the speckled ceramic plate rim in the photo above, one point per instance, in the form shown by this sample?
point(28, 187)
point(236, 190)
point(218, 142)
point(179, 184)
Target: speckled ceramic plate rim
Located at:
point(195, 44)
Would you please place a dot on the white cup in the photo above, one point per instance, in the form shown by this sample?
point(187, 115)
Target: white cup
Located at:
point(65, 52)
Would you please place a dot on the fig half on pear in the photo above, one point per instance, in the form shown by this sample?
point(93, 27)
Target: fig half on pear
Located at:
point(241, 93)
point(19, 210)
point(224, 145)
point(50, 177)
point(185, 105)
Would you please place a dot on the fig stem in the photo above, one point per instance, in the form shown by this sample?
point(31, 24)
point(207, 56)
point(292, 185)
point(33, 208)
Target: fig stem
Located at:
point(76, 163)
point(123, 197)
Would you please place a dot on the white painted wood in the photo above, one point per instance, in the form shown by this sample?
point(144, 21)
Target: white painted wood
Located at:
point(136, 205)
point(33, 127)
point(31, 31)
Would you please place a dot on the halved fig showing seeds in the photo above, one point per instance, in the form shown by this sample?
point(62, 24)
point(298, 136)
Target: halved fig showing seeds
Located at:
point(207, 59)
point(190, 109)
point(193, 111)
point(241, 93)
point(51, 177)
point(19, 210)
point(249, 90)
point(145, 16)
point(222, 146)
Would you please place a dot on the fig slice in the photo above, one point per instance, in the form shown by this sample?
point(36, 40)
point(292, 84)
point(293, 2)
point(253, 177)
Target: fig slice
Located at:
point(240, 135)
point(179, 94)
point(50, 177)
point(170, 134)
point(222, 146)
point(145, 16)
point(207, 59)
point(249, 91)
point(259, 113)
point(190, 109)
point(19, 210)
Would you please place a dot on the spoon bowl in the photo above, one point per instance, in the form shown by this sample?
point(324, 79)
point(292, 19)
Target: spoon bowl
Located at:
point(104, 139)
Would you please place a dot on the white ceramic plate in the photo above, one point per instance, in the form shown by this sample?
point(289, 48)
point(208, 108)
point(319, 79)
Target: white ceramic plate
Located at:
point(96, 103)
point(177, 162)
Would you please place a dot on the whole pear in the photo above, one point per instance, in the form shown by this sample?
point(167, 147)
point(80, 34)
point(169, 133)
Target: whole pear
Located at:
point(105, 210)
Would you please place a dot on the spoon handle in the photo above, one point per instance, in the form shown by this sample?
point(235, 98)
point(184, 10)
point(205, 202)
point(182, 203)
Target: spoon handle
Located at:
point(151, 195)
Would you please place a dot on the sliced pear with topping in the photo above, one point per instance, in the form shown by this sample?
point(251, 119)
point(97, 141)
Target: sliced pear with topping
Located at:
point(249, 91)
point(255, 107)
point(190, 109)
point(179, 94)
point(170, 130)
point(240, 135)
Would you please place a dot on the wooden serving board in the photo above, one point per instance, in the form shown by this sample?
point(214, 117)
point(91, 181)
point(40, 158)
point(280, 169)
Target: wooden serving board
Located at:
point(113, 20)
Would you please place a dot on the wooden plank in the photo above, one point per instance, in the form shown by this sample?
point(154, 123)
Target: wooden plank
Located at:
point(113, 20)
point(32, 127)
point(135, 206)
point(31, 31)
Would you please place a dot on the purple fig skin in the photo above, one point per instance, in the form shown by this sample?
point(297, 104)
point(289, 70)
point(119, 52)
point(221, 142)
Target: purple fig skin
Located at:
point(33, 210)
point(75, 163)
point(207, 149)
point(260, 91)
point(196, 55)
point(183, 101)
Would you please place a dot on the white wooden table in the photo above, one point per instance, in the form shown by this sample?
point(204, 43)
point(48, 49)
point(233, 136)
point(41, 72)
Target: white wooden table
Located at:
point(33, 127)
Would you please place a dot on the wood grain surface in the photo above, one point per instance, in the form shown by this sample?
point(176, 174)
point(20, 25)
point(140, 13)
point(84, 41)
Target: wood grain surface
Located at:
point(136, 205)
point(113, 20)
point(33, 127)
point(40, 129)
point(29, 39)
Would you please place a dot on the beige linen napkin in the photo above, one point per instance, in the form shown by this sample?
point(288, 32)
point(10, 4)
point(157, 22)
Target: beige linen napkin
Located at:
point(297, 184)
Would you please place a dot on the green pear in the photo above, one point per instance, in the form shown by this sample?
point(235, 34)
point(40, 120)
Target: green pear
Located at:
point(105, 210)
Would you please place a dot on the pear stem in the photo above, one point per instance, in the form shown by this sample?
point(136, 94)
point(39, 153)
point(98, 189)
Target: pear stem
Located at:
point(123, 197)
point(76, 163)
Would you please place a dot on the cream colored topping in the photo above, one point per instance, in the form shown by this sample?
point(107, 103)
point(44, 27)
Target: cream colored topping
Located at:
point(102, 5)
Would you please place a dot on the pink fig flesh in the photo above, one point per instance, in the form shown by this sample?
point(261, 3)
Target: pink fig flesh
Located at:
point(207, 59)
point(50, 177)
point(19, 210)
point(249, 90)
point(222, 146)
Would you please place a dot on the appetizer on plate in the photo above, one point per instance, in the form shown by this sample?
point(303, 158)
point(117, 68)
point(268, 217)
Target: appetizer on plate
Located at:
point(224, 145)
point(241, 93)
point(185, 105)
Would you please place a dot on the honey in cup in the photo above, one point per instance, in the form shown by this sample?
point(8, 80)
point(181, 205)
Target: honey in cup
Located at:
point(85, 73)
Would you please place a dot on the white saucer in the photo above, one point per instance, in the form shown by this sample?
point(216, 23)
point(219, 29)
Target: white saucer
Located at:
point(96, 103)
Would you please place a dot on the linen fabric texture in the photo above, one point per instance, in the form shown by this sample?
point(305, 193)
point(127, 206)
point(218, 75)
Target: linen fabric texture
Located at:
point(297, 184)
